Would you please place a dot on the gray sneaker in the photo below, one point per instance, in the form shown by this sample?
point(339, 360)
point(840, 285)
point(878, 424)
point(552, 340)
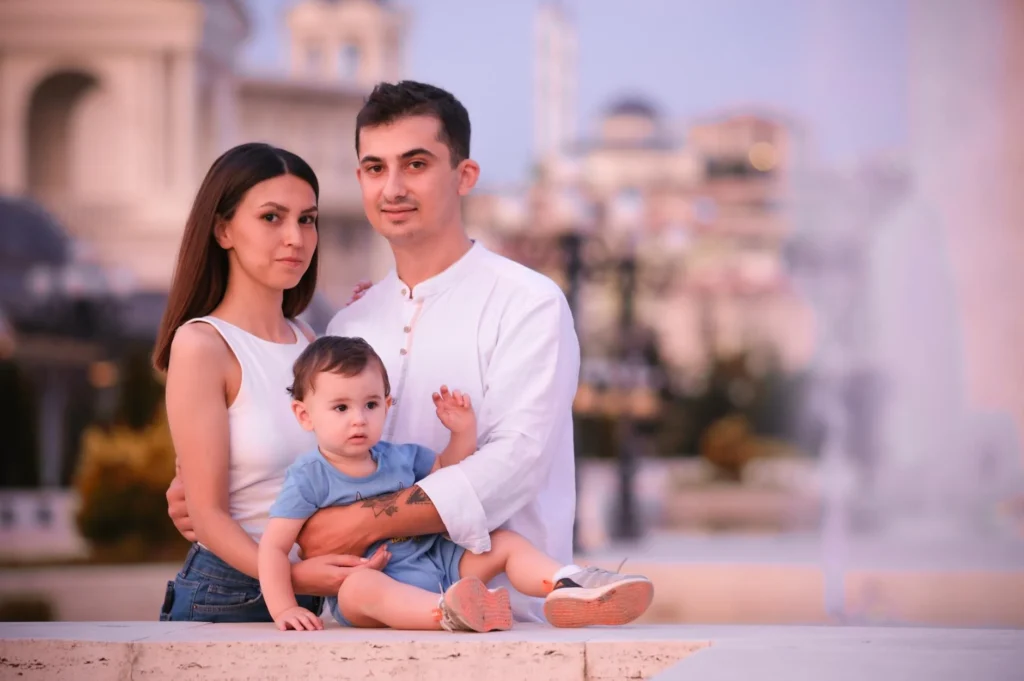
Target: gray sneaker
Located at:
point(595, 596)
point(468, 605)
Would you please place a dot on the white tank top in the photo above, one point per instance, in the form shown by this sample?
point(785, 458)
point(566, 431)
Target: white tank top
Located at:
point(265, 438)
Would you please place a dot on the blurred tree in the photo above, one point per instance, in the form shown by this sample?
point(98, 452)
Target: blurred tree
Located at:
point(123, 472)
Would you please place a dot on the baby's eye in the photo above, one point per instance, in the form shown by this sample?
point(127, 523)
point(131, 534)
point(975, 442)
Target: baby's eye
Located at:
point(371, 405)
point(342, 407)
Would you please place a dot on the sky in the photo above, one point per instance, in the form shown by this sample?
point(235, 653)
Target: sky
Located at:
point(837, 66)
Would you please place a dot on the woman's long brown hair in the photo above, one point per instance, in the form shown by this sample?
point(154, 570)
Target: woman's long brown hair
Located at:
point(201, 274)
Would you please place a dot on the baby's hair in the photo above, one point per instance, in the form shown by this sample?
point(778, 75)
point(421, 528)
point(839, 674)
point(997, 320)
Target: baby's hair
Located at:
point(336, 355)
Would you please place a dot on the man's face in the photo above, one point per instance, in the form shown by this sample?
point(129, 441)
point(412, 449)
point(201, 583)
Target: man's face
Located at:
point(411, 192)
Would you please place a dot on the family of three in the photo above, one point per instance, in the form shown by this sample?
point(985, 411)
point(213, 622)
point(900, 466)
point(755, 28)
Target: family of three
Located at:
point(343, 471)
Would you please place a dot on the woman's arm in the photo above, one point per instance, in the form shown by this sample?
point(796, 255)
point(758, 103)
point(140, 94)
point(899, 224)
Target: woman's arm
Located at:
point(197, 410)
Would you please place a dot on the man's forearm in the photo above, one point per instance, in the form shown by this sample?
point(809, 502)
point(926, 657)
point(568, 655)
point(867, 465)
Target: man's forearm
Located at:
point(352, 529)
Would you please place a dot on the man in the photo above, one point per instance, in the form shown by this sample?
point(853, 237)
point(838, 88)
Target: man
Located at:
point(452, 313)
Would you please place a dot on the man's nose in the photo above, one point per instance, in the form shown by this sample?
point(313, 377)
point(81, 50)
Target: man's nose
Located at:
point(394, 188)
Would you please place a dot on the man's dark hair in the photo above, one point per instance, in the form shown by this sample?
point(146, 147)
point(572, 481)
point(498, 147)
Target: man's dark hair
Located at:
point(336, 355)
point(391, 101)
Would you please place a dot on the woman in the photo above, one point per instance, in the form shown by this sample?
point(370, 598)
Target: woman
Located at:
point(246, 268)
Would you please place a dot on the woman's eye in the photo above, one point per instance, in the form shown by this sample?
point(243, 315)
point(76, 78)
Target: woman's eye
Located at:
point(307, 220)
point(270, 217)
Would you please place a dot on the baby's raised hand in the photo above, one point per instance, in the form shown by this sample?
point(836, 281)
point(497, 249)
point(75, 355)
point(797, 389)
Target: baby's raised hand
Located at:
point(455, 411)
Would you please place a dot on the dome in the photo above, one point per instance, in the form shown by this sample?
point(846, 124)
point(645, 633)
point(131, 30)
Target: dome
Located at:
point(29, 235)
point(633, 106)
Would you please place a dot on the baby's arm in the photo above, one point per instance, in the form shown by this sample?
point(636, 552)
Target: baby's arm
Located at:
point(456, 413)
point(275, 573)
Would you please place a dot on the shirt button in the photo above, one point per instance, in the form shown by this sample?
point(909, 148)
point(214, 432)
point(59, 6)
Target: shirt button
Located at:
point(403, 351)
point(407, 329)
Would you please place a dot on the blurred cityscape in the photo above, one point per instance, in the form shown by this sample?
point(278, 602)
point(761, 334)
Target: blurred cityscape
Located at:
point(801, 397)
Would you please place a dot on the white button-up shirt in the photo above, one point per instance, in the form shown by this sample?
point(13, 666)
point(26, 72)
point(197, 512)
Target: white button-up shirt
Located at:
point(503, 334)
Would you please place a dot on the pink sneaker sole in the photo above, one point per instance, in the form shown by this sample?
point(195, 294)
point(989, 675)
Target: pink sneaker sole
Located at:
point(612, 605)
point(479, 608)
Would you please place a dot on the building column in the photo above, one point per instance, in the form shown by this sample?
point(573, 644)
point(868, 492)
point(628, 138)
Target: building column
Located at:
point(52, 407)
point(966, 108)
point(182, 98)
point(13, 132)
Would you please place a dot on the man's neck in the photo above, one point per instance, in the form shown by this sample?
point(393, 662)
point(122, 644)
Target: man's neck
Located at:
point(417, 263)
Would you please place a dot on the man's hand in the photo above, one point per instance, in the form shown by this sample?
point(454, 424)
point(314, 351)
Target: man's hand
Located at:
point(177, 509)
point(455, 411)
point(323, 576)
point(358, 291)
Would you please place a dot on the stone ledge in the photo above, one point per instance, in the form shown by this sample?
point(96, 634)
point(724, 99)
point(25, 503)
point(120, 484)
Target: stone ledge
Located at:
point(181, 650)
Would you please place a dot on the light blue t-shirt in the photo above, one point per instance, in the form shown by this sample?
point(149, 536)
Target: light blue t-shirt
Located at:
point(430, 562)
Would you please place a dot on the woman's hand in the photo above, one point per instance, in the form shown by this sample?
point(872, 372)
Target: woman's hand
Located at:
point(177, 509)
point(322, 576)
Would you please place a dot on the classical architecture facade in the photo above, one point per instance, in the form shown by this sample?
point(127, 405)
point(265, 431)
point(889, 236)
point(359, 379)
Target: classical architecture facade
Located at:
point(112, 112)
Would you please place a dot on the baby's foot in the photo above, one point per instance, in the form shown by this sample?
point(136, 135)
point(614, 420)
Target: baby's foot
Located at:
point(595, 596)
point(468, 605)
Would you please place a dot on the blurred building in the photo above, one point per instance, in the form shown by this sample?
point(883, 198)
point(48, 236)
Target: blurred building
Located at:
point(701, 214)
point(113, 111)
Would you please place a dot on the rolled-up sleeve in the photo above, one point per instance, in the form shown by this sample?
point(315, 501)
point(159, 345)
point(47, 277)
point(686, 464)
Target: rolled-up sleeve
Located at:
point(529, 388)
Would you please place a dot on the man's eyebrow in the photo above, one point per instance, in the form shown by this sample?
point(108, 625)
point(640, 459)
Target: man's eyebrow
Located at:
point(419, 151)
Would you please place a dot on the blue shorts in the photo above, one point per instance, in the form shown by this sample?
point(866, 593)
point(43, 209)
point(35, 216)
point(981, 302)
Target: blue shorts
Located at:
point(433, 570)
point(209, 590)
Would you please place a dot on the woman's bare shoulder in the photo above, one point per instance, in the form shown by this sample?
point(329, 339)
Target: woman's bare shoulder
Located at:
point(198, 345)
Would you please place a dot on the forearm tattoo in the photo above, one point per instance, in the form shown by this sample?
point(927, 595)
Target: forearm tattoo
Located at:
point(385, 504)
point(417, 496)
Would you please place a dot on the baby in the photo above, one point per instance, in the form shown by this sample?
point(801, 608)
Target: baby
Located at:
point(341, 393)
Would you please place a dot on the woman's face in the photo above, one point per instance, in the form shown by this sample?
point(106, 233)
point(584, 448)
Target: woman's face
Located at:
point(272, 235)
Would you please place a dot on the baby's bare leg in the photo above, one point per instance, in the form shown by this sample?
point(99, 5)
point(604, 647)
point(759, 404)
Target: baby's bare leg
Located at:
point(369, 598)
point(528, 568)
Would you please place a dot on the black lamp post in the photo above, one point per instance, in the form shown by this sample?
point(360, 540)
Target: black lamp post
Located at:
point(630, 371)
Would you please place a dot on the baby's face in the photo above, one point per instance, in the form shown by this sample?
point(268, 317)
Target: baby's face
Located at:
point(347, 412)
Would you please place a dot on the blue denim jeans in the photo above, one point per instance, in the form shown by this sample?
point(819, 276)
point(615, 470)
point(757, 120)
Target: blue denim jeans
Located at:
point(209, 590)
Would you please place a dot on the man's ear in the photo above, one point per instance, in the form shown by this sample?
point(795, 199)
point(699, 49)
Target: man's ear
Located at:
point(469, 173)
point(302, 415)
